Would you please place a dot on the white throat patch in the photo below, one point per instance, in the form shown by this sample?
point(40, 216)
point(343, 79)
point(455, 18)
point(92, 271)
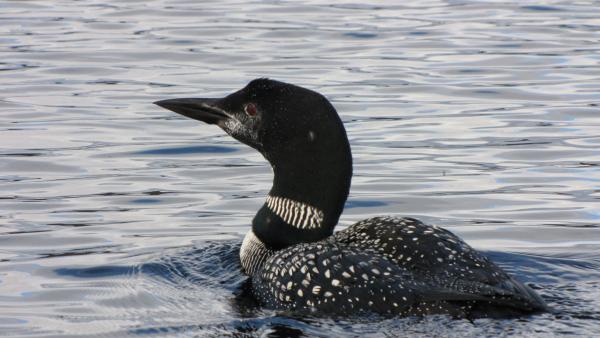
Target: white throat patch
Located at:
point(297, 214)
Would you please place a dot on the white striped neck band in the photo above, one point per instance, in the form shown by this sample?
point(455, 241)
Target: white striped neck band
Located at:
point(297, 214)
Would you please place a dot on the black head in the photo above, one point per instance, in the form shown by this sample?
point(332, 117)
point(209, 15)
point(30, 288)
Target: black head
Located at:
point(297, 130)
point(270, 116)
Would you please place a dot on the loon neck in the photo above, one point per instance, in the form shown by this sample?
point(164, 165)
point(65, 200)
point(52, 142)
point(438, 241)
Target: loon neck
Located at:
point(310, 187)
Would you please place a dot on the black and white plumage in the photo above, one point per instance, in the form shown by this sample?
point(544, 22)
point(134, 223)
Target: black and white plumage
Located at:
point(298, 214)
point(383, 265)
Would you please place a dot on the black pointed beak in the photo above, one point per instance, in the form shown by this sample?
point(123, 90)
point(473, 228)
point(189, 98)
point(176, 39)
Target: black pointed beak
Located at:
point(205, 110)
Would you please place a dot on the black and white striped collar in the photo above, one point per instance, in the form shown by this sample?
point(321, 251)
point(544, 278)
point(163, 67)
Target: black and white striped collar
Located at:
point(297, 214)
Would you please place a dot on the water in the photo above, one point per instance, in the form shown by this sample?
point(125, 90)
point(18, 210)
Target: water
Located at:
point(118, 218)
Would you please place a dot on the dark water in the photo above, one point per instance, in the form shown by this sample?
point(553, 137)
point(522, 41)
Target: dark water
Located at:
point(118, 218)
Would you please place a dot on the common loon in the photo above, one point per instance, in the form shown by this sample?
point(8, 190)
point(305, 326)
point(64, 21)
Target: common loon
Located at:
point(381, 265)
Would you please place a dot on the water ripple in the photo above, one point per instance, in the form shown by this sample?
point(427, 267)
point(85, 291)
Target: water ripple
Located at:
point(118, 218)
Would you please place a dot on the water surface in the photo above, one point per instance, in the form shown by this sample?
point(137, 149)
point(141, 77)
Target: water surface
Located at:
point(118, 218)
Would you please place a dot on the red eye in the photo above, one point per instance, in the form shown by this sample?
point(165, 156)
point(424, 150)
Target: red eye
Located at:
point(250, 109)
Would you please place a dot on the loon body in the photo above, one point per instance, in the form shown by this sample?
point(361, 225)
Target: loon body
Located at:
point(383, 265)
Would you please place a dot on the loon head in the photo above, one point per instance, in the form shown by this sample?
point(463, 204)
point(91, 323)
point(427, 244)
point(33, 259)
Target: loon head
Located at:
point(301, 135)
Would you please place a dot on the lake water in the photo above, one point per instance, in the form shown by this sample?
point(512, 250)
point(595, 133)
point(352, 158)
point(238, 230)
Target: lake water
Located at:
point(118, 218)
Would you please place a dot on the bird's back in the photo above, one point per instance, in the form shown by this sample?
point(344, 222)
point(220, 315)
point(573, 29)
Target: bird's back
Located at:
point(390, 266)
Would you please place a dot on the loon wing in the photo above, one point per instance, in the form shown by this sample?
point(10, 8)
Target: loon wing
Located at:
point(479, 299)
point(456, 271)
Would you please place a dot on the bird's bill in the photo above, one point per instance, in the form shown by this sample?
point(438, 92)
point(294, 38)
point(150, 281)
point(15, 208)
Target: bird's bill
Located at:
point(202, 109)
